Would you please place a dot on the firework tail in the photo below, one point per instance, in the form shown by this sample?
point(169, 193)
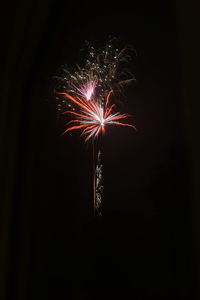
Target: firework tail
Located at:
point(97, 179)
point(99, 186)
point(94, 177)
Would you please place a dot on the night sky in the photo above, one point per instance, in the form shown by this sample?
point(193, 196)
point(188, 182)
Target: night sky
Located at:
point(141, 246)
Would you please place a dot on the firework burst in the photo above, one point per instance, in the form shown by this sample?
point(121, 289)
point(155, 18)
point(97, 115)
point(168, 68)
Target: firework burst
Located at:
point(87, 95)
point(104, 69)
point(93, 117)
point(87, 89)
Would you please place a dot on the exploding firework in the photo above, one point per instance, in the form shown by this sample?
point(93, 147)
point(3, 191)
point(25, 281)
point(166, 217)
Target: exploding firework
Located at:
point(105, 69)
point(93, 117)
point(87, 93)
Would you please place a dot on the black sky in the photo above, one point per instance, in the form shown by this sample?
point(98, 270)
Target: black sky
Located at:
point(141, 248)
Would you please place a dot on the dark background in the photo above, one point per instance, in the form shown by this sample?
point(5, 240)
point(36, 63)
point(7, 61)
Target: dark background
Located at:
point(146, 244)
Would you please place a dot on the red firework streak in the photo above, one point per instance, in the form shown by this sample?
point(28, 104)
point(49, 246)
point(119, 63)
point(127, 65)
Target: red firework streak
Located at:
point(91, 120)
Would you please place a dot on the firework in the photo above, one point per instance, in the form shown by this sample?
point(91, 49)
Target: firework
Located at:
point(93, 117)
point(87, 94)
